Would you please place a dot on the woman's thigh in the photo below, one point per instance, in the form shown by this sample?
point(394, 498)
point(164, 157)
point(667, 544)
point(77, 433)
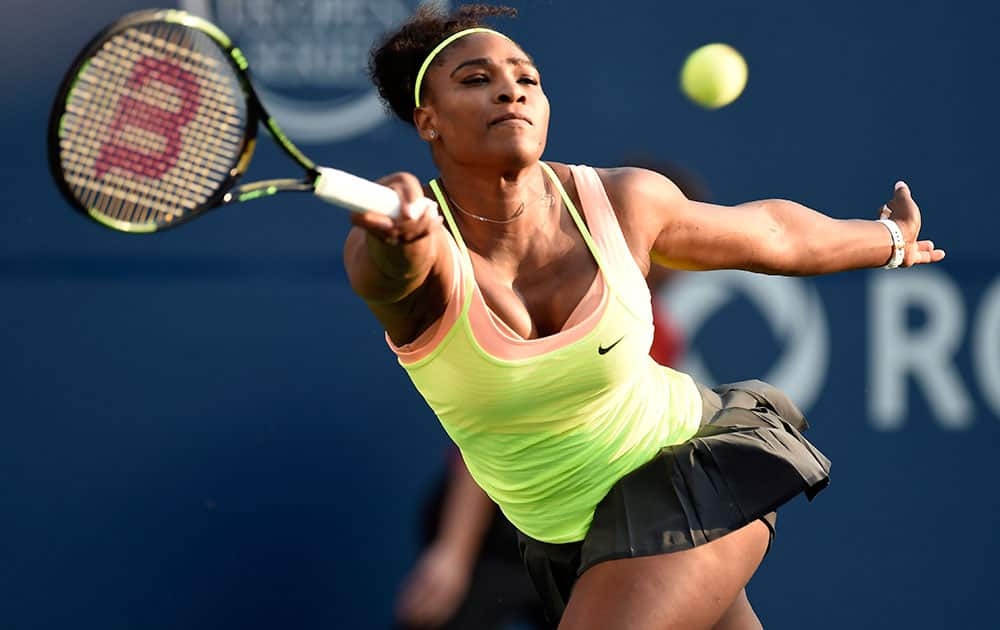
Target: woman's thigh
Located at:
point(685, 590)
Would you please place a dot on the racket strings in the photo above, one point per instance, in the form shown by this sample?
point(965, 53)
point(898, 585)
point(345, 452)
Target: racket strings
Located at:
point(188, 203)
point(119, 200)
point(153, 125)
point(159, 101)
point(124, 189)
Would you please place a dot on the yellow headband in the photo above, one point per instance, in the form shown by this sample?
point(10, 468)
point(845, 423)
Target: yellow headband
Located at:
point(427, 62)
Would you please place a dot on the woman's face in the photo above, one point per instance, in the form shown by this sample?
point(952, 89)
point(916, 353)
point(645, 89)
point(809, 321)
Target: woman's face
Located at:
point(484, 99)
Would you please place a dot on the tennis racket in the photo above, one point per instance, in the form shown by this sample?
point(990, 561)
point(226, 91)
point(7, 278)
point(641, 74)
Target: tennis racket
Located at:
point(156, 121)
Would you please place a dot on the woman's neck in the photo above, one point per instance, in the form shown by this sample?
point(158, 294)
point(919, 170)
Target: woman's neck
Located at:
point(494, 196)
point(501, 214)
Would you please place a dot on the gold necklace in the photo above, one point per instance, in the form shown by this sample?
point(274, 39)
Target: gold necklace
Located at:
point(511, 218)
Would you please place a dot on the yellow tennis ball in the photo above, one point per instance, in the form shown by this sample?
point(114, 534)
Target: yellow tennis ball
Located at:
point(714, 75)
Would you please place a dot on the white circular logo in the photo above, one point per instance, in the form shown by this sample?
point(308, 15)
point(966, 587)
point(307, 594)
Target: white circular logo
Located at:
point(791, 307)
point(309, 58)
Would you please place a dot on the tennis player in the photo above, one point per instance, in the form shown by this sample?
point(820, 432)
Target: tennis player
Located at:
point(469, 574)
point(520, 312)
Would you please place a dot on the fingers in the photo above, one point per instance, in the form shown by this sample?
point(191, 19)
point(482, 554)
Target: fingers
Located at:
point(408, 604)
point(402, 230)
point(902, 190)
point(417, 221)
point(417, 218)
point(406, 185)
point(431, 609)
point(372, 221)
point(904, 211)
point(428, 598)
point(902, 200)
point(922, 253)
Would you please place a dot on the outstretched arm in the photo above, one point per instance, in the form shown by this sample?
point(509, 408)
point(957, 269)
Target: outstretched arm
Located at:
point(400, 267)
point(773, 236)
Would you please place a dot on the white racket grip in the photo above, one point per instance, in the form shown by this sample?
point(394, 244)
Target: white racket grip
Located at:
point(355, 193)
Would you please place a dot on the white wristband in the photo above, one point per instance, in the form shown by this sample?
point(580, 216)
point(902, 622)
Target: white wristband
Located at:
point(898, 243)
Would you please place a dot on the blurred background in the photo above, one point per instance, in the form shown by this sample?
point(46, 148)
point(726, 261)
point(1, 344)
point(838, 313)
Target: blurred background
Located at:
point(204, 428)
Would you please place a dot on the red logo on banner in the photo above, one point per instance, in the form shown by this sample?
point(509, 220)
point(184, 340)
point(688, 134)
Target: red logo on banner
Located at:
point(136, 113)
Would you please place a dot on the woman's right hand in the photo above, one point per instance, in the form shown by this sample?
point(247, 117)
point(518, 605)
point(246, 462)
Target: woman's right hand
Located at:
point(388, 259)
point(418, 215)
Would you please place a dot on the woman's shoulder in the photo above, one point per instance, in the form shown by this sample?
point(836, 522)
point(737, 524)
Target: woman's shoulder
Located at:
point(632, 183)
point(607, 174)
point(630, 189)
point(617, 181)
point(643, 201)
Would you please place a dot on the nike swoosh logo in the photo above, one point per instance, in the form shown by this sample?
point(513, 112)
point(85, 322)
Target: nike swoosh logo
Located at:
point(603, 350)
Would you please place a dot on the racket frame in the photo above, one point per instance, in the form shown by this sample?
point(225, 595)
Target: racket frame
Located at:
point(227, 191)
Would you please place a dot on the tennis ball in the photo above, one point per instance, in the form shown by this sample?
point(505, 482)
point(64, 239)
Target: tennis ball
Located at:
point(714, 75)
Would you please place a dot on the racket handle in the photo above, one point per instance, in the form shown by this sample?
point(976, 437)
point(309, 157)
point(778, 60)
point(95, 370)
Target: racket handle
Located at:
point(355, 193)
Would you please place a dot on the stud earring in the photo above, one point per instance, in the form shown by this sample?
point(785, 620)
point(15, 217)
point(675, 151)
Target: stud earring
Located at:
point(433, 134)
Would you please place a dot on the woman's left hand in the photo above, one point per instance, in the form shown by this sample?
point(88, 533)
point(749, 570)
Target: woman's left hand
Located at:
point(904, 211)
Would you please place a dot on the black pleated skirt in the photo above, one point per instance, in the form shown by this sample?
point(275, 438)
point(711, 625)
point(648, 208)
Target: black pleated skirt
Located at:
point(748, 458)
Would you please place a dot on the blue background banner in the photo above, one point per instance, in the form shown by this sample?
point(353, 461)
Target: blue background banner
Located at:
point(204, 428)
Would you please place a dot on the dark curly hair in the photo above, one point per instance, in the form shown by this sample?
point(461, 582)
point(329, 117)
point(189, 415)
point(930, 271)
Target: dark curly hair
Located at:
point(396, 58)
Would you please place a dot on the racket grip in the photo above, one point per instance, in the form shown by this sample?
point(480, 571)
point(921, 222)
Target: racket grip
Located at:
point(355, 193)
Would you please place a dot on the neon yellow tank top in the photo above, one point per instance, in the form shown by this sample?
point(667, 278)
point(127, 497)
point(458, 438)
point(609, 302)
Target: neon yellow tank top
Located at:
point(547, 426)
